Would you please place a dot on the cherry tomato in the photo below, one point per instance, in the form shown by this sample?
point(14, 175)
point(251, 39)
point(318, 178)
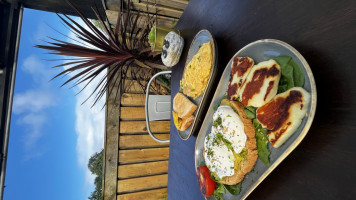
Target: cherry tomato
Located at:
point(207, 185)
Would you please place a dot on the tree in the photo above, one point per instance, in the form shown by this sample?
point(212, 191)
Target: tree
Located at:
point(95, 165)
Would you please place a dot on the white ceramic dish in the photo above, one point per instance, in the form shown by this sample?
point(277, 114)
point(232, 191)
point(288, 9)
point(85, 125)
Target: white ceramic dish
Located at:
point(261, 50)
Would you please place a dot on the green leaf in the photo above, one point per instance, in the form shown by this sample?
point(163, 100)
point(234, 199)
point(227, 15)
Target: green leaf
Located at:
point(234, 189)
point(250, 112)
point(262, 142)
point(95, 165)
point(152, 36)
point(283, 84)
point(219, 190)
point(287, 73)
point(251, 108)
point(298, 74)
point(291, 74)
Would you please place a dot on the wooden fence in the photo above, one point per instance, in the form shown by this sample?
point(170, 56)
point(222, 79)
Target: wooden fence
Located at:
point(168, 11)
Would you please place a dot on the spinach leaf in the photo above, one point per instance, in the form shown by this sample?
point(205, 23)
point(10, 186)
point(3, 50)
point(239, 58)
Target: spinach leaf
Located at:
point(287, 73)
point(291, 76)
point(250, 112)
point(298, 74)
point(234, 189)
point(219, 190)
point(283, 84)
point(262, 142)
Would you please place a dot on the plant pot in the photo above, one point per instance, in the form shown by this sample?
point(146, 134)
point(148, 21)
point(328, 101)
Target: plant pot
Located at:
point(160, 34)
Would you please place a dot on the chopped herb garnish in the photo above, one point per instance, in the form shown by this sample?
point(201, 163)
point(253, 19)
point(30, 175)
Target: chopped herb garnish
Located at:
point(210, 152)
point(228, 144)
point(228, 116)
point(217, 122)
point(220, 137)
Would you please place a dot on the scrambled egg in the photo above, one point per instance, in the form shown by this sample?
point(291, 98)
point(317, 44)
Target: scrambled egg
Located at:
point(177, 121)
point(196, 74)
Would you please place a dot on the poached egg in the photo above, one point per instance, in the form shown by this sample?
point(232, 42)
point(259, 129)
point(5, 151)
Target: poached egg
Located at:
point(227, 137)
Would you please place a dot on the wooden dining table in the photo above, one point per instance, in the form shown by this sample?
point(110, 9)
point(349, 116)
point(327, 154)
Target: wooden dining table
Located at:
point(323, 166)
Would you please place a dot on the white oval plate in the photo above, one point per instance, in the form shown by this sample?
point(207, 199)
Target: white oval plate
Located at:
point(259, 51)
point(200, 38)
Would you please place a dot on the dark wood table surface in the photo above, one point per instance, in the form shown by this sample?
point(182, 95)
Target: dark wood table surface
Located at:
point(323, 166)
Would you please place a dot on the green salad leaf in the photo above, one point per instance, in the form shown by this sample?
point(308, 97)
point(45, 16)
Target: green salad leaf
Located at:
point(260, 134)
point(234, 189)
point(219, 190)
point(262, 142)
point(250, 112)
point(298, 74)
point(291, 76)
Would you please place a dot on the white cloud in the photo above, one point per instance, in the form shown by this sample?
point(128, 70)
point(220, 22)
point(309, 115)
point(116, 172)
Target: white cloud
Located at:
point(40, 73)
point(33, 101)
point(31, 105)
point(42, 32)
point(34, 122)
point(90, 122)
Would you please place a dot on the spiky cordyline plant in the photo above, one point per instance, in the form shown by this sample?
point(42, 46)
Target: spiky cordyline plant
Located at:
point(126, 47)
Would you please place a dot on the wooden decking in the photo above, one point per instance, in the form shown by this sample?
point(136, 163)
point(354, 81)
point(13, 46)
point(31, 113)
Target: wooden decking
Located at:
point(143, 162)
point(136, 166)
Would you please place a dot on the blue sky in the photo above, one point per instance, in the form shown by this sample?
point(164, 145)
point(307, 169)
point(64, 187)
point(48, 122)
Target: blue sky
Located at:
point(51, 135)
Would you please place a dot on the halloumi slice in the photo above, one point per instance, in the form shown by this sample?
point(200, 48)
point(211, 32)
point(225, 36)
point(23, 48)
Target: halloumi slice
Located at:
point(261, 84)
point(283, 114)
point(240, 68)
